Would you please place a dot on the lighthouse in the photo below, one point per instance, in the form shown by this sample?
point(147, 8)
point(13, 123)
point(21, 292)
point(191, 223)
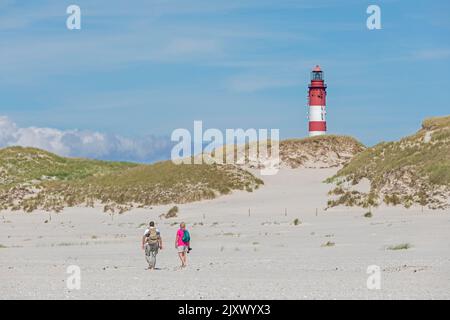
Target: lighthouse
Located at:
point(317, 103)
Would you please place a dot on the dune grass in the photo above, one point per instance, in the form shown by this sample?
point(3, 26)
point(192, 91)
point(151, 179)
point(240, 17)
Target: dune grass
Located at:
point(20, 164)
point(295, 153)
point(409, 171)
point(33, 179)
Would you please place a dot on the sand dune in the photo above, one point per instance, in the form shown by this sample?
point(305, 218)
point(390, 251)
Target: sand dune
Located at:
point(246, 246)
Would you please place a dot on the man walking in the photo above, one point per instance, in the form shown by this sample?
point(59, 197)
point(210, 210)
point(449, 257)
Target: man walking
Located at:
point(151, 243)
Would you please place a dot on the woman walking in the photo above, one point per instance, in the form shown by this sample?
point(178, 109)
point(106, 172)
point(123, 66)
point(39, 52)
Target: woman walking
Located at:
point(182, 242)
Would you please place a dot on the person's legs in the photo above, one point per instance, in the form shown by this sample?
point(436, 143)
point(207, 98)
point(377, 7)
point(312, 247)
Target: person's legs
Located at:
point(182, 255)
point(153, 253)
point(184, 258)
point(148, 255)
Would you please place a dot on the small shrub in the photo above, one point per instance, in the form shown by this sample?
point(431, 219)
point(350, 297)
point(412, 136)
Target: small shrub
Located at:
point(229, 234)
point(328, 244)
point(401, 246)
point(297, 222)
point(172, 213)
point(368, 214)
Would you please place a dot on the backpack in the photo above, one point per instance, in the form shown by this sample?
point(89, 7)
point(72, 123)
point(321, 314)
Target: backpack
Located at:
point(152, 235)
point(186, 237)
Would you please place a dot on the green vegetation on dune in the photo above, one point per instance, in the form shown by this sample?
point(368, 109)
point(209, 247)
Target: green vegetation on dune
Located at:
point(19, 165)
point(34, 179)
point(414, 170)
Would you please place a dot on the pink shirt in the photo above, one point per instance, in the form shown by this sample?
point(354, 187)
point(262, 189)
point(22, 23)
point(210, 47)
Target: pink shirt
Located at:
point(180, 234)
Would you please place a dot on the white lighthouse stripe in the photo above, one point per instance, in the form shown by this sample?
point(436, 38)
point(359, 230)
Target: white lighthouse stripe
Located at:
point(317, 113)
point(316, 133)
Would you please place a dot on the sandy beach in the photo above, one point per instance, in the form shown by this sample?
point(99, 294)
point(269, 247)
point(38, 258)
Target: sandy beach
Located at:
point(245, 246)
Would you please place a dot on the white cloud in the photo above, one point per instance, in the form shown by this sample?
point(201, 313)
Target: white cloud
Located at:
point(89, 144)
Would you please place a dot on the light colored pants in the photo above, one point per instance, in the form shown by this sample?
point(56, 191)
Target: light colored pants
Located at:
point(151, 250)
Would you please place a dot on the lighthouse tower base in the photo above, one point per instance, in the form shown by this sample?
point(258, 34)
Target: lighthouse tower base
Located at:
point(316, 133)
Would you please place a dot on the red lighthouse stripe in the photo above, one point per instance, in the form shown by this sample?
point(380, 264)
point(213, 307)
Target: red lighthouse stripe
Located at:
point(317, 96)
point(317, 126)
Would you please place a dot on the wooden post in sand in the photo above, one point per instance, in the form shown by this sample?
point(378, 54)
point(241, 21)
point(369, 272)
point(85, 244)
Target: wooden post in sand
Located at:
point(249, 212)
point(316, 212)
point(285, 212)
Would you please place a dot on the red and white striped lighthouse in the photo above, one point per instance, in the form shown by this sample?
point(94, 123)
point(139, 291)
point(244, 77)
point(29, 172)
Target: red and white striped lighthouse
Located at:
point(317, 103)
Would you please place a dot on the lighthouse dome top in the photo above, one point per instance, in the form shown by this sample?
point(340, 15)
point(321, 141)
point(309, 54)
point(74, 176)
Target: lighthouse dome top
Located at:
point(317, 74)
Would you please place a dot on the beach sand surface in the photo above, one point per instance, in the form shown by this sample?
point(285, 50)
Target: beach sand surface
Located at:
point(245, 246)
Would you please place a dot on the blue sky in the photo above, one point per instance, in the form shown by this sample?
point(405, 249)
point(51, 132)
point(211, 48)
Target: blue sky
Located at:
point(138, 70)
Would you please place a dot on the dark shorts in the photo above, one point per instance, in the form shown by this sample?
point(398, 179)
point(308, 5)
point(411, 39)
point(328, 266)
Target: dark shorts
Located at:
point(151, 248)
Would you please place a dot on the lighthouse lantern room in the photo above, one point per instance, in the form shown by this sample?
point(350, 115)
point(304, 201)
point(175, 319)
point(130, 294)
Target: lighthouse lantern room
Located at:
point(317, 103)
